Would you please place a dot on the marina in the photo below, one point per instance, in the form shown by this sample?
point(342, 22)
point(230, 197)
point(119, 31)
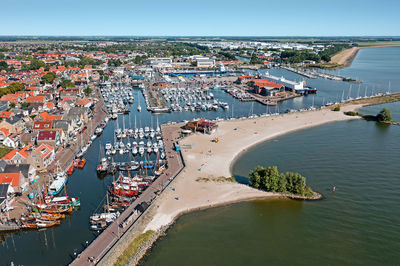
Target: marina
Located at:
point(131, 164)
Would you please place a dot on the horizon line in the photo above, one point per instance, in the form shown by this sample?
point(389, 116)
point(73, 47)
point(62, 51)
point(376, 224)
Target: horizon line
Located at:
point(192, 36)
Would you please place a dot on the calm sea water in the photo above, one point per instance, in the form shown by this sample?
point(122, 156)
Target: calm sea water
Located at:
point(55, 246)
point(359, 224)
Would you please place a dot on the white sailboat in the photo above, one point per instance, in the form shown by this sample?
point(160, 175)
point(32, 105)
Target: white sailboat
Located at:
point(139, 108)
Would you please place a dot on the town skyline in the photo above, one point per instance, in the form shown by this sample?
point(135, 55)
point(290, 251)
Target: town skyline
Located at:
point(210, 18)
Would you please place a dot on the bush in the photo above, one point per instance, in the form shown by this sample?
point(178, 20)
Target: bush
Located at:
point(351, 113)
point(336, 109)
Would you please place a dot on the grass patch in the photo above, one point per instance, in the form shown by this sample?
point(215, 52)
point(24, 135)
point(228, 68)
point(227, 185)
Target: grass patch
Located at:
point(220, 179)
point(4, 150)
point(326, 66)
point(133, 247)
point(378, 99)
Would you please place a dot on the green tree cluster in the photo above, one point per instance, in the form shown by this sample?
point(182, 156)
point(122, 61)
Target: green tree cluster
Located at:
point(48, 78)
point(65, 83)
point(255, 60)
point(12, 88)
point(139, 59)
point(114, 62)
point(4, 66)
point(384, 115)
point(87, 91)
point(34, 65)
point(269, 179)
point(226, 55)
point(84, 61)
point(25, 104)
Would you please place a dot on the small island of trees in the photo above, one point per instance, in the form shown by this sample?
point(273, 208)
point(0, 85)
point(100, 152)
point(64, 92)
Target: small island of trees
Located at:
point(384, 116)
point(269, 179)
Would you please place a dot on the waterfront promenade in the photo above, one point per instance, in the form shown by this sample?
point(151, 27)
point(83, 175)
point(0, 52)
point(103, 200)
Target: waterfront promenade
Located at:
point(113, 233)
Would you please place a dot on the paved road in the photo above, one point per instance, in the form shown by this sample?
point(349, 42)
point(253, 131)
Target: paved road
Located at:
point(104, 242)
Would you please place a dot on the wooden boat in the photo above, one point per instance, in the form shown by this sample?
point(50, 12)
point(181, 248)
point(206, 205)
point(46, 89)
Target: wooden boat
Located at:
point(52, 209)
point(36, 224)
point(45, 216)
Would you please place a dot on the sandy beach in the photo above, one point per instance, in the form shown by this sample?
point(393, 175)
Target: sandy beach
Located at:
point(346, 57)
point(207, 159)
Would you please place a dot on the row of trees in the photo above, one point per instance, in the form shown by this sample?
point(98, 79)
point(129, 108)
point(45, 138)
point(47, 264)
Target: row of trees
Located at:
point(269, 179)
point(299, 56)
point(83, 61)
point(294, 56)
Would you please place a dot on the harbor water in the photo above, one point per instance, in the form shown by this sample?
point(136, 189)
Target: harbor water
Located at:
point(246, 228)
point(358, 224)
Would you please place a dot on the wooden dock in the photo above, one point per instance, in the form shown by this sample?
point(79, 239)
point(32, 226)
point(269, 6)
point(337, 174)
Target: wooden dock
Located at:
point(111, 235)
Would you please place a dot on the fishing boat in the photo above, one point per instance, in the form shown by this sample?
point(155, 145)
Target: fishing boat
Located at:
point(98, 131)
point(98, 226)
point(58, 183)
point(130, 190)
point(107, 217)
point(65, 201)
point(71, 169)
point(82, 163)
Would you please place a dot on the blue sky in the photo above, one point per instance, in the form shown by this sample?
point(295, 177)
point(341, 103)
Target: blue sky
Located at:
point(201, 17)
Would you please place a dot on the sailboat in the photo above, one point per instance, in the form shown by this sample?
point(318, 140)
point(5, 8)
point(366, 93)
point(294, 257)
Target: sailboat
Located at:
point(158, 130)
point(139, 108)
